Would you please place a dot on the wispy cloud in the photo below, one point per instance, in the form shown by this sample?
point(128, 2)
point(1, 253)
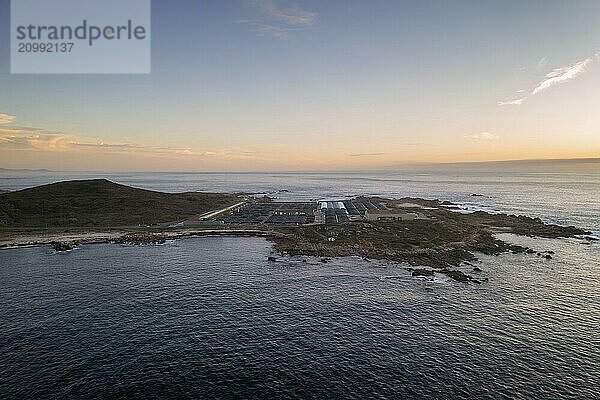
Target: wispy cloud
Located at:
point(291, 15)
point(564, 74)
point(22, 138)
point(6, 119)
point(273, 31)
point(516, 102)
point(135, 148)
point(555, 77)
point(368, 154)
point(278, 19)
point(34, 139)
point(484, 136)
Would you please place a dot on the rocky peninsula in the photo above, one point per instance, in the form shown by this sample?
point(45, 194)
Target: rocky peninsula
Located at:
point(439, 241)
point(442, 240)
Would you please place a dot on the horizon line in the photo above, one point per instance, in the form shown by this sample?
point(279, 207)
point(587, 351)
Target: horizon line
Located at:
point(407, 164)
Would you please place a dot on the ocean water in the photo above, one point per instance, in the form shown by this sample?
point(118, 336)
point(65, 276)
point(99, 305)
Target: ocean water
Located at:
point(212, 318)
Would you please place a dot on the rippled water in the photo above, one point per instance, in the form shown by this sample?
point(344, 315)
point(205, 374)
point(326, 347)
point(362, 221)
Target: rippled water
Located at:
point(211, 318)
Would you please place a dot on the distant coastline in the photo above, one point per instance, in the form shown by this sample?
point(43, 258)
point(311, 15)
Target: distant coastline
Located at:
point(25, 170)
point(539, 162)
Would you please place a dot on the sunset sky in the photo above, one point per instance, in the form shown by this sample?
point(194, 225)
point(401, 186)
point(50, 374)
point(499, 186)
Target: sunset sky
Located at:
point(252, 85)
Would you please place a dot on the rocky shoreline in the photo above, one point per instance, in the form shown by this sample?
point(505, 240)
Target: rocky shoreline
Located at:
point(439, 243)
point(443, 240)
point(70, 241)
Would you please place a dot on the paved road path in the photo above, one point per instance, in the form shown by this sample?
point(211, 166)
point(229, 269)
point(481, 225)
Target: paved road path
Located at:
point(215, 213)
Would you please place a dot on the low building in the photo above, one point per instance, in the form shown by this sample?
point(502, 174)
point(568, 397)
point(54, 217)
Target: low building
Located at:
point(389, 215)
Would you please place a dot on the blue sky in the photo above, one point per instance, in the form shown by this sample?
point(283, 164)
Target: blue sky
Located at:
point(266, 84)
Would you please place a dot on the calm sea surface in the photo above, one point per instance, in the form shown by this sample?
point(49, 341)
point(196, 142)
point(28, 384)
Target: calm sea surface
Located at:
point(212, 318)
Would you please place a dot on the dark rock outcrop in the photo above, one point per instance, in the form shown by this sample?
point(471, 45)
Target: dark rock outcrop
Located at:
point(423, 272)
point(62, 246)
point(457, 275)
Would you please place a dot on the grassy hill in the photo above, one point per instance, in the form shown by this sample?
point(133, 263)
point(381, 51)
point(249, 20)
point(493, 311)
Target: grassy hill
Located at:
point(101, 203)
